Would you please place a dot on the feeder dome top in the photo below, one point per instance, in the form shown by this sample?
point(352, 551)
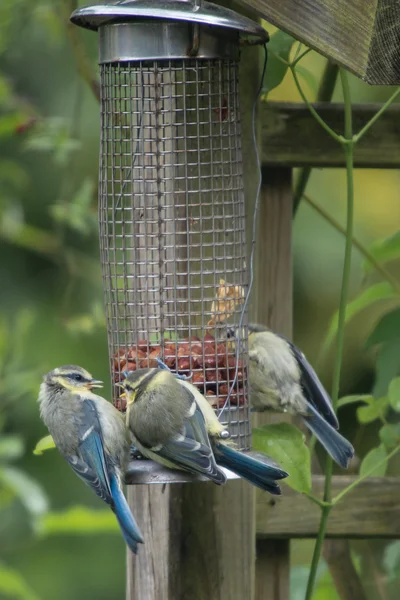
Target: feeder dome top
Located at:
point(192, 11)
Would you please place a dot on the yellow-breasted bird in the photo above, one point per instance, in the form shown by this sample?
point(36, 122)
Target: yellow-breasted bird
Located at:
point(174, 425)
point(283, 380)
point(91, 435)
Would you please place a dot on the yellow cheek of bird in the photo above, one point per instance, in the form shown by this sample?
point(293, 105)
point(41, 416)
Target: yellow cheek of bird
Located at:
point(228, 297)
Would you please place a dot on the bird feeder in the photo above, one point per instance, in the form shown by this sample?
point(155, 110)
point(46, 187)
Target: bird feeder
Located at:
point(171, 198)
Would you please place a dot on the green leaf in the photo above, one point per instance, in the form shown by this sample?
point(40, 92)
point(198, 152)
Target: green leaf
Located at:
point(26, 489)
point(390, 435)
point(387, 366)
point(346, 400)
point(78, 519)
point(375, 293)
point(286, 444)
point(46, 443)
point(279, 48)
point(384, 251)
point(376, 410)
point(14, 586)
point(11, 447)
point(387, 329)
point(394, 394)
point(374, 463)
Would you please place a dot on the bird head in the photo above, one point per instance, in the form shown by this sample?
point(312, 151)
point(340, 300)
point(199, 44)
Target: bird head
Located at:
point(72, 378)
point(256, 328)
point(134, 381)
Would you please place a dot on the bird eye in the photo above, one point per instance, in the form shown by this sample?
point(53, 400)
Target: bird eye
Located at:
point(76, 377)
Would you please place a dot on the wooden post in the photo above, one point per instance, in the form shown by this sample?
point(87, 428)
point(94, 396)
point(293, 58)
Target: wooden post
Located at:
point(273, 307)
point(200, 538)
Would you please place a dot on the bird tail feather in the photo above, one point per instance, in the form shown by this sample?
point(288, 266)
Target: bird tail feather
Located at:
point(127, 523)
point(334, 443)
point(256, 468)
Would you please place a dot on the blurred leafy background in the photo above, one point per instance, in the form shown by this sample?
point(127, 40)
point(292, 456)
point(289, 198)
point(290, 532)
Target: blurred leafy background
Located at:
point(56, 541)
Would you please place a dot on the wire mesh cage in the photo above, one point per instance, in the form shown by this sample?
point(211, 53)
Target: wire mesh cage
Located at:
point(171, 206)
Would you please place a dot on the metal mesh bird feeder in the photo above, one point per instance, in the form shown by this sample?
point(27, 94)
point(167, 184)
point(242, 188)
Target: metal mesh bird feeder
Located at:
point(171, 200)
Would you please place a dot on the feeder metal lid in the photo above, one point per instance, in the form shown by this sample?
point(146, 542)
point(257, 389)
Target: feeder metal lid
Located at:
point(205, 13)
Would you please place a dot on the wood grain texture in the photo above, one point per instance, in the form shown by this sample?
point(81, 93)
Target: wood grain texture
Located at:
point(273, 287)
point(198, 542)
point(217, 551)
point(273, 307)
point(361, 35)
point(273, 568)
point(384, 53)
point(154, 573)
point(291, 136)
point(370, 510)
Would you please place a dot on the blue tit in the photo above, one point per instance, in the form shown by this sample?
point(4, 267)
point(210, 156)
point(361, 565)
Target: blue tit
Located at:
point(282, 379)
point(91, 435)
point(173, 424)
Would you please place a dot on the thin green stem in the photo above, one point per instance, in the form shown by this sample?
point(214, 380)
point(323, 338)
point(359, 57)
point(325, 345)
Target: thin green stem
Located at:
point(299, 58)
point(312, 110)
point(364, 130)
point(363, 250)
point(316, 500)
point(317, 551)
point(325, 93)
point(349, 151)
point(348, 148)
point(365, 476)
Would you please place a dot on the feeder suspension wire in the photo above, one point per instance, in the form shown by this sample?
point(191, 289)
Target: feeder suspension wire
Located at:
point(254, 231)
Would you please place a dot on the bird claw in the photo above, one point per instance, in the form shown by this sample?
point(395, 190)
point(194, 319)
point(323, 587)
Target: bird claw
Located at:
point(162, 365)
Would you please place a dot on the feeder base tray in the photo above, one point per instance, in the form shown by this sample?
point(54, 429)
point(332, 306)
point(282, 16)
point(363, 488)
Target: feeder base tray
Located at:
point(145, 471)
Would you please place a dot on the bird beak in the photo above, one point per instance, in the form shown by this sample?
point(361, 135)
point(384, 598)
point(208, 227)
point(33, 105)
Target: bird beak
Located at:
point(95, 383)
point(121, 385)
point(123, 395)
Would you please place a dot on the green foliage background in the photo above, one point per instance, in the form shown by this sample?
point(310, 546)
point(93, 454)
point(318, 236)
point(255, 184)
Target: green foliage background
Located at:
point(51, 307)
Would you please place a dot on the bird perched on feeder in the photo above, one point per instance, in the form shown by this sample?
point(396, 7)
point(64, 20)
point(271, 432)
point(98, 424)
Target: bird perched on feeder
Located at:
point(173, 424)
point(282, 379)
point(91, 435)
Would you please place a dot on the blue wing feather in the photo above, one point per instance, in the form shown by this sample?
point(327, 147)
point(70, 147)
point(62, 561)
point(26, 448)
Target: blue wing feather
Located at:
point(312, 386)
point(191, 449)
point(99, 471)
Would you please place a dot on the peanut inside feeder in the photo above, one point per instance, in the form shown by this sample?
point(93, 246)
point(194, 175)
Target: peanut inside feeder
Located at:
point(210, 362)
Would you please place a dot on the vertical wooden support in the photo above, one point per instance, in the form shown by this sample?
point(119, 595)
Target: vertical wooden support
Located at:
point(273, 307)
point(200, 538)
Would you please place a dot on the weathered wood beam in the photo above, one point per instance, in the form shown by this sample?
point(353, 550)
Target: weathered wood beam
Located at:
point(291, 136)
point(273, 307)
point(370, 510)
point(361, 35)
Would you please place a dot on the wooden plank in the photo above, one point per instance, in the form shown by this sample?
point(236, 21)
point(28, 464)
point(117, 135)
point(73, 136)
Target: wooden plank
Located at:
point(273, 306)
point(154, 573)
point(370, 510)
point(273, 569)
point(291, 136)
point(273, 266)
point(361, 35)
